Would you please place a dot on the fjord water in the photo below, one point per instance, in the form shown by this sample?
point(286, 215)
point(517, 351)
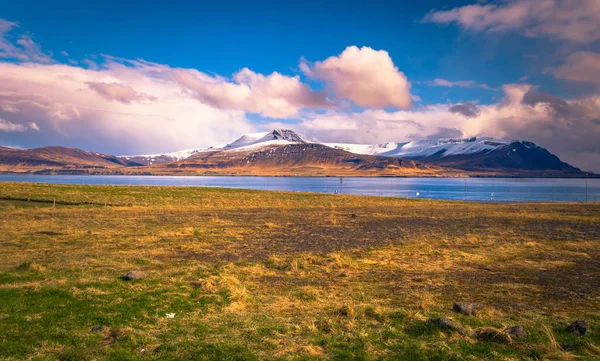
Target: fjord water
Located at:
point(470, 189)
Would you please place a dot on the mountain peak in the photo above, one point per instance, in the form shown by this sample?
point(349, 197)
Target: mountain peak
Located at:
point(280, 135)
point(287, 134)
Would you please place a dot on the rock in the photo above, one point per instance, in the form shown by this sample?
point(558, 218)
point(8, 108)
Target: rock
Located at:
point(493, 334)
point(134, 275)
point(516, 332)
point(447, 324)
point(578, 328)
point(97, 328)
point(353, 215)
point(466, 308)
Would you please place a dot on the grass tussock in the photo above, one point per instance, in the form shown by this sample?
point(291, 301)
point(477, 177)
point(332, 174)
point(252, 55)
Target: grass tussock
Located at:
point(249, 275)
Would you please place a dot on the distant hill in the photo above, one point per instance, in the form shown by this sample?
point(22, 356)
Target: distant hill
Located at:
point(55, 157)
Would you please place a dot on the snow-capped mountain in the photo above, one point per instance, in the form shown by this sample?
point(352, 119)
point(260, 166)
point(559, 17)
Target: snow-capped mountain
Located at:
point(283, 151)
point(474, 154)
point(275, 137)
point(482, 154)
point(427, 148)
point(247, 141)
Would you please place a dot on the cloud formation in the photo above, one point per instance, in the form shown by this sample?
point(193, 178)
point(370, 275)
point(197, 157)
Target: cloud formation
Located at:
point(7, 126)
point(459, 84)
point(573, 20)
point(134, 106)
point(583, 66)
point(23, 49)
point(69, 111)
point(274, 95)
point(468, 109)
point(119, 92)
point(366, 76)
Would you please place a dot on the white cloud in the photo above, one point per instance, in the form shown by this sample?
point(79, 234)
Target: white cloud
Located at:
point(58, 98)
point(459, 83)
point(8, 126)
point(367, 77)
point(274, 95)
point(573, 20)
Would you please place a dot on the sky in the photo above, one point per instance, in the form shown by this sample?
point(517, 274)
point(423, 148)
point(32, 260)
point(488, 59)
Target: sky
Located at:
point(139, 77)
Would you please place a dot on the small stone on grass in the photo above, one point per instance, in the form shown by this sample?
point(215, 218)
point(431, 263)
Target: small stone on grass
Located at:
point(466, 308)
point(516, 332)
point(578, 328)
point(134, 275)
point(447, 324)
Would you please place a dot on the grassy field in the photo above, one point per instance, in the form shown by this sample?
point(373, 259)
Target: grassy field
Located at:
point(252, 275)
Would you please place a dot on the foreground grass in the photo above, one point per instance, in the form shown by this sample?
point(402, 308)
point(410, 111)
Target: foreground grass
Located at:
point(256, 275)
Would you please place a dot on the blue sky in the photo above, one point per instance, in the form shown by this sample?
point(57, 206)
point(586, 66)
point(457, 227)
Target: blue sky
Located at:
point(265, 36)
point(516, 61)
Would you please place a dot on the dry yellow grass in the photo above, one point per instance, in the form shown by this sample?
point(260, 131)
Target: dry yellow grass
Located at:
point(268, 275)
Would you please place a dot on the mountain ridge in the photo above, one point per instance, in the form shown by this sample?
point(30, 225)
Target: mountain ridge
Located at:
point(285, 152)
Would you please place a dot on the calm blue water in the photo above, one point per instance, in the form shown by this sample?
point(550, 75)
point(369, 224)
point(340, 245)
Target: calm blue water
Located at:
point(472, 189)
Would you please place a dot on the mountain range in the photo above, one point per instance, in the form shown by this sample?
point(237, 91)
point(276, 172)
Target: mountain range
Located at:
point(284, 152)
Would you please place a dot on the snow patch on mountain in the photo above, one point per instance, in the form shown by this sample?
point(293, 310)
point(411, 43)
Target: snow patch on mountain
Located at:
point(275, 137)
point(427, 148)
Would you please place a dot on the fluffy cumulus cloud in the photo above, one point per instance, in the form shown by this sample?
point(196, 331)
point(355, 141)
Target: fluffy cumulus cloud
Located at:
point(274, 95)
point(366, 76)
point(573, 20)
point(570, 128)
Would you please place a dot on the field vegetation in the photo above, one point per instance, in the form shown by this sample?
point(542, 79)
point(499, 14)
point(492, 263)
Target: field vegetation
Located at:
point(254, 275)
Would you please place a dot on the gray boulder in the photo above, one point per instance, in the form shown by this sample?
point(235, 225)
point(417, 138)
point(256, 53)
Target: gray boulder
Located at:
point(516, 332)
point(134, 275)
point(446, 324)
point(467, 308)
